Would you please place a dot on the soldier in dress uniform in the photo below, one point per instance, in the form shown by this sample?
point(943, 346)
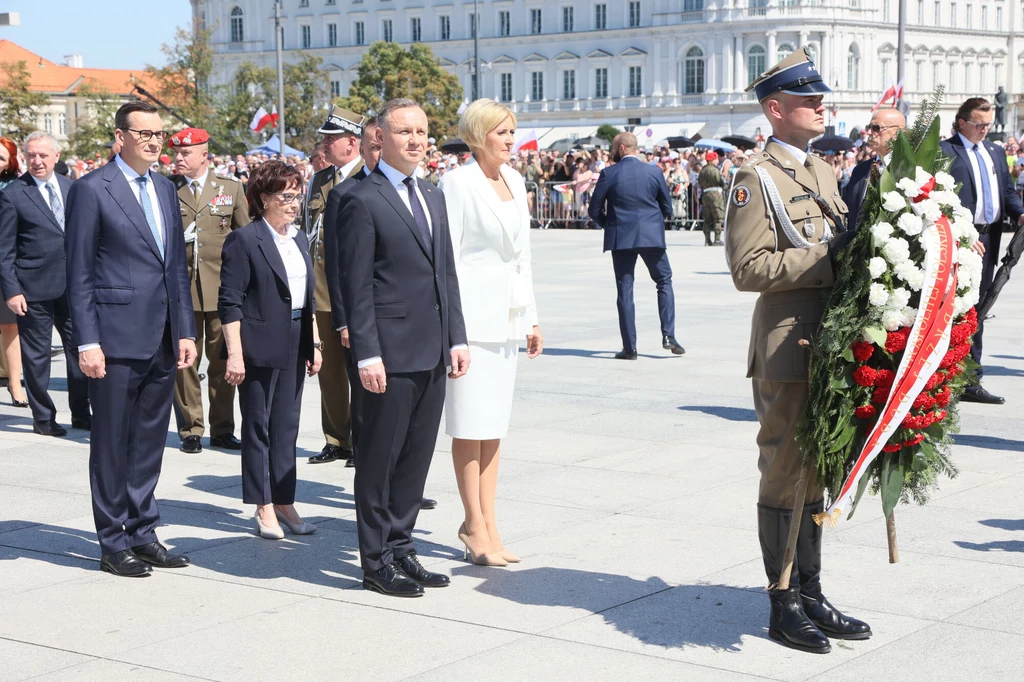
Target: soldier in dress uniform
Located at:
point(342, 131)
point(713, 203)
point(785, 225)
point(211, 206)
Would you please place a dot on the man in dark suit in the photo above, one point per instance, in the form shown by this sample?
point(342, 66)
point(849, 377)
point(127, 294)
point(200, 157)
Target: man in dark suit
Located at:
point(631, 202)
point(32, 273)
point(131, 312)
point(401, 299)
point(884, 127)
point(986, 191)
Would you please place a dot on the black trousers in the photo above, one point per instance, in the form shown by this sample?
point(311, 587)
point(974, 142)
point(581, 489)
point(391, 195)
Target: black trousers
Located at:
point(271, 400)
point(392, 459)
point(35, 328)
point(656, 260)
point(131, 411)
point(990, 261)
point(356, 391)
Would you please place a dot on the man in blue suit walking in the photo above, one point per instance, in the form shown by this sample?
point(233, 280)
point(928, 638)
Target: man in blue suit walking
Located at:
point(631, 202)
point(132, 319)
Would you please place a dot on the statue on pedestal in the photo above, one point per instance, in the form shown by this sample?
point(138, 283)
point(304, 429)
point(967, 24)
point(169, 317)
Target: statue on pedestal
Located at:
point(1001, 100)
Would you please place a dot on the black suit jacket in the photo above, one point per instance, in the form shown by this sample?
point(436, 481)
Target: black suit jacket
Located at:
point(856, 190)
point(121, 292)
point(400, 294)
point(254, 290)
point(1011, 206)
point(32, 254)
point(332, 247)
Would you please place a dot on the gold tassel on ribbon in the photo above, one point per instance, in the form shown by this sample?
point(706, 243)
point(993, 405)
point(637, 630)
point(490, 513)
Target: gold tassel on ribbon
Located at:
point(826, 519)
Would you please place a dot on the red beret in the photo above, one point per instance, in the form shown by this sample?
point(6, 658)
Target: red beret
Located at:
point(711, 156)
point(188, 137)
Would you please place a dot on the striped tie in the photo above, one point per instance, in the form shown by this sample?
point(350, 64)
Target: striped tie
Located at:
point(55, 205)
point(147, 207)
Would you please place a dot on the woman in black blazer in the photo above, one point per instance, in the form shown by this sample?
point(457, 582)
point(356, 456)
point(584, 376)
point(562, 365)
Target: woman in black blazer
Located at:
point(266, 309)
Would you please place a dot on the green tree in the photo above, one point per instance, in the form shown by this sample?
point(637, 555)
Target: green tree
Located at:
point(93, 129)
point(19, 106)
point(608, 132)
point(388, 71)
point(305, 93)
point(183, 82)
point(252, 87)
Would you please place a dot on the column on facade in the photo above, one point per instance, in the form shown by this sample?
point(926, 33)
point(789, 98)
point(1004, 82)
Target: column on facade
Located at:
point(711, 68)
point(672, 68)
point(771, 48)
point(726, 84)
point(656, 59)
point(739, 82)
point(826, 57)
point(803, 38)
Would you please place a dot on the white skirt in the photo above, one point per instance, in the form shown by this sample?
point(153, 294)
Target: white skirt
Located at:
point(478, 406)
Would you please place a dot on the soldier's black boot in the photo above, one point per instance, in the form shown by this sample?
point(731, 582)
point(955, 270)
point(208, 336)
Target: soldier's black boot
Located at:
point(787, 624)
point(828, 618)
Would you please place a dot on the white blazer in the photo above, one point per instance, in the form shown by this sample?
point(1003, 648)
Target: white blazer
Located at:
point(492, 260)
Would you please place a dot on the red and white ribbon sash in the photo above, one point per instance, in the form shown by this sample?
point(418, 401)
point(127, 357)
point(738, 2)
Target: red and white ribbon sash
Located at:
point(926, 346)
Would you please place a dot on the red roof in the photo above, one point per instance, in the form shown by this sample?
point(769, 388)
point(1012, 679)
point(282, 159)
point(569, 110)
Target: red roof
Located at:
point(49, 77)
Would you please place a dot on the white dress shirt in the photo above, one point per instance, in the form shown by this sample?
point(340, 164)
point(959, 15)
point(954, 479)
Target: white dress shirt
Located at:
point(52, 182)
point(346, 170)
point(154, 200)
point(799, 154)
point(294, 264)
point(993, 182)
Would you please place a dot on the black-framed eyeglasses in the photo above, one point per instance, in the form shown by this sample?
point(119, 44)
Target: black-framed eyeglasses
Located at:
point(287, 197)
point(147, 135)
point(979, 126)
point(875, 128)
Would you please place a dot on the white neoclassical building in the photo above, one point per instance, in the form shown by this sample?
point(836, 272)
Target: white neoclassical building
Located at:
point(665, 66)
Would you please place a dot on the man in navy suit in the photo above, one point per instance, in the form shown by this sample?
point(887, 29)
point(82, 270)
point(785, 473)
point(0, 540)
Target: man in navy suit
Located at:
point(32, 273)
point(885, 125)
point(404, 314)
point(631, 202)
point(986, 191)
point(131, 312)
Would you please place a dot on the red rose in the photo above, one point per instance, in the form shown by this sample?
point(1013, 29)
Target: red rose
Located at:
point(897, 340)
point(865, 411)
point(862, 351)
point(864, 375)
point(884, 377)
point(913, 441)
point(892, 448)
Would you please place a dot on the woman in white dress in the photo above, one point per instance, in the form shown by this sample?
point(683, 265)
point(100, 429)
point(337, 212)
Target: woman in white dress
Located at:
point(489, 219)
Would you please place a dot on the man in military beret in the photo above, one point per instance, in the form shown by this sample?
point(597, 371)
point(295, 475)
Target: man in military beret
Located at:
point(712, 201)
point(340, 145)
point(211, 206)
point(784, 226)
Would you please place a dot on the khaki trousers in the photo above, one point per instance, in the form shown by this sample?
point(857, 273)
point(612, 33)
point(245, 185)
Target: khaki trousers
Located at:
point(779, 407)
point(334, 407)
point(188, 394)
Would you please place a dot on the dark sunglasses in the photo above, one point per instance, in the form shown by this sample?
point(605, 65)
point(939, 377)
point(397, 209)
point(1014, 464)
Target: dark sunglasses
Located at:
point(875, 128)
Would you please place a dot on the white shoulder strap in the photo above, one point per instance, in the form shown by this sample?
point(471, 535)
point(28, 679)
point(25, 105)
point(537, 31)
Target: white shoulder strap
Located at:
point(776, 206)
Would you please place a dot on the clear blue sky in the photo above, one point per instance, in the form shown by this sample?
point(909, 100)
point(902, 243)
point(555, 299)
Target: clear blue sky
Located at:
point(109, 34)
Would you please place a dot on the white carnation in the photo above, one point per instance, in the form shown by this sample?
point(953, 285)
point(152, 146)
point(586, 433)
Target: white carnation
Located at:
point(909, 187)
point(960, 306)
point(929, 209)
point(921, 176)
point(960, 228)
point(962, 214)
point(911, 224)
point(898, 298)
point(878, 295)
point(892, 320)
point(881, 233)
point(877, 266)
point(893, 202)
point(896, 250)
point(945, 181)
point(945, 198)
point(909, 316)
point(911, 274)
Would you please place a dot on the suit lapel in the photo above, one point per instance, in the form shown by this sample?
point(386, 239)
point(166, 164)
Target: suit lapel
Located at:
point(487, 193)
point(303, 244)
point(270, 252)
point(32, 189)
point(429, 193)
point(168, 206)
point(117, 187)
point(997, 155)
point(388, 191)
point(962, 152)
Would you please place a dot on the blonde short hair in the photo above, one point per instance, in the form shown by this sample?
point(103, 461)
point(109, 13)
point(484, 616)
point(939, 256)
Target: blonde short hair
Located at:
point(480, 118)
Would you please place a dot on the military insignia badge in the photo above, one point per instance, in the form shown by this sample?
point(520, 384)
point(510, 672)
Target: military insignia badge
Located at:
point(741, 195)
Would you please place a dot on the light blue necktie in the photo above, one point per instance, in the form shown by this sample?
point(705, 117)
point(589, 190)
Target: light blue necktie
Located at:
point(147, 207)
point(986, 188)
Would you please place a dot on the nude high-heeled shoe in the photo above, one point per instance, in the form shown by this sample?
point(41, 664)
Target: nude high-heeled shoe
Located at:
point(509, 556)
point(478, 559)
point(296, 528)
point(266, 531)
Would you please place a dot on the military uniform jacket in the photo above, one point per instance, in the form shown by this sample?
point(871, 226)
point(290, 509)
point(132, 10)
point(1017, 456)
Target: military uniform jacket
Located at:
point(319, 187)
point(220, 209)
point(788, 265)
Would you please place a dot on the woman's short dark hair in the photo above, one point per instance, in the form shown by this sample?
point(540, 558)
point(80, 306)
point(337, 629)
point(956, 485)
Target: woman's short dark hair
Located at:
point(13, 169)
point(269, 178)
point(969, 107)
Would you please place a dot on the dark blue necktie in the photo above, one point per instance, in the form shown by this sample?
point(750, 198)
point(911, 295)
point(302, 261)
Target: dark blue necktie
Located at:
point(417, 212)
point(986, 188)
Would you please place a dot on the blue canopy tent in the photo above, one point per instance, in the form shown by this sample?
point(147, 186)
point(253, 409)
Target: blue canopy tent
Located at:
point(273, 146)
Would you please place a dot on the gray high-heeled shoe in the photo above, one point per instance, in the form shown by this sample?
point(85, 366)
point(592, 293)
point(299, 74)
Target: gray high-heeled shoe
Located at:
point(266, 531)
point(296, 528)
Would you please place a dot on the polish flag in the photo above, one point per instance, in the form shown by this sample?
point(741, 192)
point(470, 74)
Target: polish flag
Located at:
point(527, 141)
point(890, 93)
point(262, 119)
point(899, 94)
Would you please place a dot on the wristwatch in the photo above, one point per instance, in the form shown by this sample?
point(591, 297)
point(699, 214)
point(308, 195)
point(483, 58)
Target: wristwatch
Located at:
point(319, 345)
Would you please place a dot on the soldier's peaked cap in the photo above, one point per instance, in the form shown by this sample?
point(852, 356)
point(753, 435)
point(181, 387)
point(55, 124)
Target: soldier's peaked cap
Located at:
point(794, 75)
point(342, 122)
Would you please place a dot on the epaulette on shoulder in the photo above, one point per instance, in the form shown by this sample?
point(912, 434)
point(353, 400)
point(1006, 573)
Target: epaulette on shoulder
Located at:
point(229, 178)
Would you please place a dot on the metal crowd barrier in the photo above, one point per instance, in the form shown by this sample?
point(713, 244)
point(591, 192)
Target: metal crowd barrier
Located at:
point(558, 204)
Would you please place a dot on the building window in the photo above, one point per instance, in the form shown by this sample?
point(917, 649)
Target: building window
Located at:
point(634, 13)
point(330, 3)
point(967, 76)
point(983, 77)
point(332, 35)
point(303, 3)
point(48, 123)
point(999, 18)
point(307, 37)
point(693, 72)
point(568, 85)
point(758, 8)
point(936, 77)
point(360, 33)
point(506, 87)
point(237, 25)
point(416, 29)
point(636, 86)
point(886, 7)
point(693, 6)
point(335, 88)
point(783, 51)
point(567, 18)
point(853, 68)
point(984, 18)
point(601, 82)
point(446, 27)
point(938, 13)
point(970, 11)
point(920, 12)
point(885, 73)
point(919, 76)
point(756, 62)
point(600, 17)
point(536, 21)
point(388, 31)
point(504, 23)
point(62, 121)
point(537, 85)
point(471, 22)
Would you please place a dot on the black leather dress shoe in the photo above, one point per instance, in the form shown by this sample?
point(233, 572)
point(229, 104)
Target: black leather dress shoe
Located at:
point(626, 354)
point(670, 343)
point(831, 620)
point(427, 503)
point(155, 554)
point(49, 429)
point(391, 581)
point(351, 463)
point(192, 445)
point(412, 567)
point(83, 423)
point(125, 564)
point(226, 441)
point(330, 453)
point(790, 626)
point(978, 394)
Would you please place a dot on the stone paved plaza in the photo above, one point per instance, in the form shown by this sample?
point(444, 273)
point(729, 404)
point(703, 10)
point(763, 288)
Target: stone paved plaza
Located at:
point(628, 488)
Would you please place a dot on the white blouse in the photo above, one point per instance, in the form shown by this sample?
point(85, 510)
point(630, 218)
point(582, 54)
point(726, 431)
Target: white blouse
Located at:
point(294, 265)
